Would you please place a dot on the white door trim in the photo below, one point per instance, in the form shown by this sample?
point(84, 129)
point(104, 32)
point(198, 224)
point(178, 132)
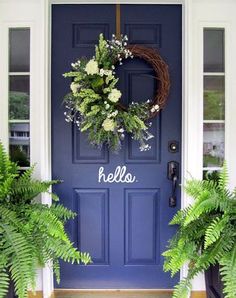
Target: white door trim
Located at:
point(196, 13)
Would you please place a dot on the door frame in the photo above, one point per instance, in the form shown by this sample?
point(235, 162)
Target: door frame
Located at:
point(196, 14)
point(186, 8)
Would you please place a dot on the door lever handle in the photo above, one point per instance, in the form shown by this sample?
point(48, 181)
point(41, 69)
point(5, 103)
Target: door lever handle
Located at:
point(174, 184)
point(172, 174)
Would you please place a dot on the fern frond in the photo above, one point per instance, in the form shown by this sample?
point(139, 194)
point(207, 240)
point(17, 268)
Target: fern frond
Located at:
point(24, 191)
point(223, 177)
point(63, 250)
point(62, 212)
point(46, 220)
point(31, 234)
point(85, 258)
point(177, 256)
point(56, 270)
point(10, 217)
point(180, 216)
point(209, 224)
point(19, 251)
point(215, 252)
point(198, 188)
point(6, 166)
point(208, 204)
point(4, 282)
point(214, 230)
point(228, 273)
point(182, 289)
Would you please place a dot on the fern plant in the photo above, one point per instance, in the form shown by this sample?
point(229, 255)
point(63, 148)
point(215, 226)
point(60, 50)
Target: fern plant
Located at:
point(31, 234)
point(206, 234)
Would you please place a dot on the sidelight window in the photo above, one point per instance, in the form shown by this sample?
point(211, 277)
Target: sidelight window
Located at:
point(19, 96)
point(213, 99)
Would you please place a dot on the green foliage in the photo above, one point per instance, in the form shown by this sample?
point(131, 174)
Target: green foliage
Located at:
point(18, 105)
point(206, 234)
point(214, 105)
point(19, 156)
point(31, 234)
point(228, 272)
point(209, 160)
point(102, 53)
point(94, 99)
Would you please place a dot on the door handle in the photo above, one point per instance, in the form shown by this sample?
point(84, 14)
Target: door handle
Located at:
point(173, 174)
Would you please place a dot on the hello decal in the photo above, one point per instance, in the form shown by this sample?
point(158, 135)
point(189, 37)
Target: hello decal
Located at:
point(120, 175)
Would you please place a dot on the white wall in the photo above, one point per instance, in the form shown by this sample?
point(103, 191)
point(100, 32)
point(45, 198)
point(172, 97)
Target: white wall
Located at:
point(198, 13)
point(214, 13)
point(28, 13)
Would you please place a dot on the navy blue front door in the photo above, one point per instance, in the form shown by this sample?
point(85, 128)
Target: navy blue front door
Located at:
point(124, 226)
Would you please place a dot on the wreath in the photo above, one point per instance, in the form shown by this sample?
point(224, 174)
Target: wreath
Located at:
point(93, 103)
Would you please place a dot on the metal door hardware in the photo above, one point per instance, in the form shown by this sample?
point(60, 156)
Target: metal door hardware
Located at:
point(173, 174)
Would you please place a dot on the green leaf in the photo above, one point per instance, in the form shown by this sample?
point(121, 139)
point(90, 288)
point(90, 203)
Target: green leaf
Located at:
point(228, 273)
point(31, 234)
point(213, 231)
point(97, 82)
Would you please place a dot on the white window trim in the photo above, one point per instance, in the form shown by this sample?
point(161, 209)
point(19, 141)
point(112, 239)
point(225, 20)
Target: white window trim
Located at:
point(228, 90)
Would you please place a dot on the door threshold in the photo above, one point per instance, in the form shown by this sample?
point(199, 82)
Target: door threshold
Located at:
point(120, 293)
point(113, 293)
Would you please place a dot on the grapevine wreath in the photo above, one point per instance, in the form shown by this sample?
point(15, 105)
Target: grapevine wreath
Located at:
point(93, 103)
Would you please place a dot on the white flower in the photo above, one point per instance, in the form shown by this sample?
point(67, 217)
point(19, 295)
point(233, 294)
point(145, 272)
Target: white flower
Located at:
point(115, 113)
point(109, 124)
point(114, 95)
point(108, 72)
point(152, 110)
point(155, 108)
point(92, 67)
point(74, 87)
point(76, 64)
point(105, 72)
point(101, 72)
point(121, 130)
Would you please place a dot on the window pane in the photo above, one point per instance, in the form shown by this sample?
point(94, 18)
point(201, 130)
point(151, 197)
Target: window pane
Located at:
point(19, 97)
point(213, 50)
point(211, 175)
point(19, 42)
point(213, 144)
point(19, 83)
point(214, 98)
point(20, 143)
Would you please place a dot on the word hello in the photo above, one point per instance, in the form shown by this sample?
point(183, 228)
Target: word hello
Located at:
point(119, 176)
